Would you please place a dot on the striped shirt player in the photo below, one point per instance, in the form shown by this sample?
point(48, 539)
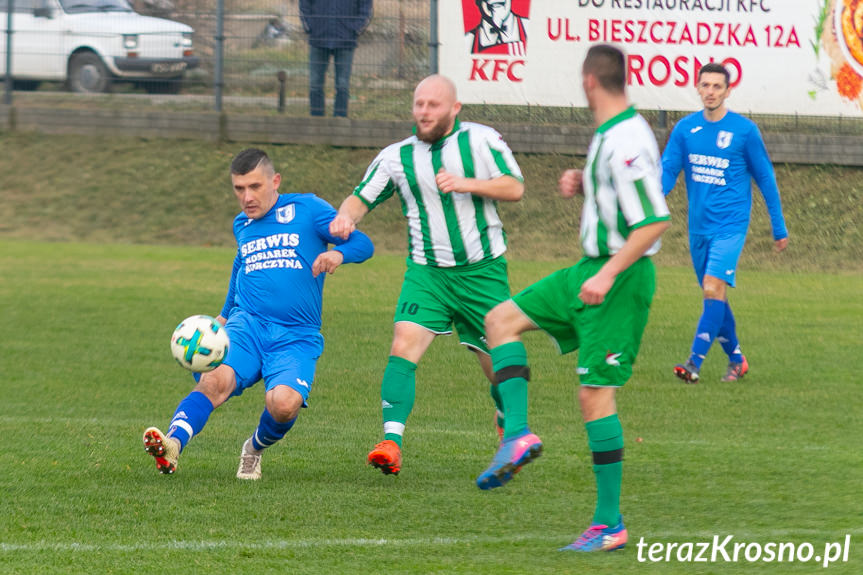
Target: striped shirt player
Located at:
point(448, 178)
point(622, 185)
point(599, 306)
point(444, 230)
point(622, 192)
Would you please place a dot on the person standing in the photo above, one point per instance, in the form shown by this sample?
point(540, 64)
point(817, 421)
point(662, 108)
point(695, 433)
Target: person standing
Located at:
point(600, 305)
point(720, 153)
point(333, 27)
point(449, 176)
point(272, 312)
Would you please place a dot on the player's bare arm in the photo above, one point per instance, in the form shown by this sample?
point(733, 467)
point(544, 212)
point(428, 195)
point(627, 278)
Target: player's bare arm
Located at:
point(639, 241)
point(502, 188)
point(571, 183)
point(327, 262)
point(350, 213)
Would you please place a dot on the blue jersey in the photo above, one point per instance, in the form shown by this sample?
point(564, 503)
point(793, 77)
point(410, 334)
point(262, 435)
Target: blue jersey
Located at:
point(272, 275)
point(720, 160)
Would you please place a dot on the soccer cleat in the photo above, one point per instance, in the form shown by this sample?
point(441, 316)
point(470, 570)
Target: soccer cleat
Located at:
point(687, 372)
point(512, 454)
point(164, 449)
point(736, 371)
point(600, 537)
point(250, 463)
point(386, 456)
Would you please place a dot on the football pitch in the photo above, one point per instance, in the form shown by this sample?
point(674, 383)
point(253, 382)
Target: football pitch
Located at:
point(85, 366)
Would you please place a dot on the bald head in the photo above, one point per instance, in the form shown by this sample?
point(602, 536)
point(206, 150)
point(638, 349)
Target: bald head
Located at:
point(435, 108)
point(436, 85)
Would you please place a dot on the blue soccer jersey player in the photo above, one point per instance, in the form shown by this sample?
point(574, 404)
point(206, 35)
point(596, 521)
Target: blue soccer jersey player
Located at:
point(272, 312)
point(720, 153)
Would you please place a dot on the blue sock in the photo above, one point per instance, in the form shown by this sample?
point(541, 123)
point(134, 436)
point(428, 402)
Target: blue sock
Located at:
point(270, 431)
point(728, 337)
point(707, 330)
point(190, 418)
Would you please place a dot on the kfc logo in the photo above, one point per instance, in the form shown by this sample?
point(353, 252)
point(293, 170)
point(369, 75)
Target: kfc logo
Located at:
point(496, 26)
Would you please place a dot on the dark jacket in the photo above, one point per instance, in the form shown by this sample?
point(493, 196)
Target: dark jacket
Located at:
point(335, 23)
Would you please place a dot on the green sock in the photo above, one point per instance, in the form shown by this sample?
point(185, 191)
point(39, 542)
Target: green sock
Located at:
point(605, 437)
point(398, 391)
point(498, 403)
point(510, 369)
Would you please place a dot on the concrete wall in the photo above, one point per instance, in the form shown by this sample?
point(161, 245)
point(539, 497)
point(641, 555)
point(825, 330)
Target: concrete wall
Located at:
point(566, 139)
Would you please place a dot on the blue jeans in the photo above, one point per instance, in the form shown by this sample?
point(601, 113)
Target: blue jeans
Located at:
point(319, 60)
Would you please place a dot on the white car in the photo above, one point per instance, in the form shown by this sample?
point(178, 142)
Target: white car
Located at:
point(91, 43)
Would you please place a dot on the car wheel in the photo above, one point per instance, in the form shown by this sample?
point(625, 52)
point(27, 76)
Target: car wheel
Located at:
point(88, 74)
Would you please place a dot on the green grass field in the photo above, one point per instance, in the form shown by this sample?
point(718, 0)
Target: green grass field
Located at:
point(85, 367)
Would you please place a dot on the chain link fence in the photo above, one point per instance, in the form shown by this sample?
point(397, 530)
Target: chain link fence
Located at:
point(165, 54)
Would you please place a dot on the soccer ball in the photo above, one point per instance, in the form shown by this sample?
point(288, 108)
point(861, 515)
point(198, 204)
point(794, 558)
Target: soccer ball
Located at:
point(200, 343)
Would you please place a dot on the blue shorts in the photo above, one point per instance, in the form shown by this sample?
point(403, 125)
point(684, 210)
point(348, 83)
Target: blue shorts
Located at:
point(716, 256)
point(279, 354)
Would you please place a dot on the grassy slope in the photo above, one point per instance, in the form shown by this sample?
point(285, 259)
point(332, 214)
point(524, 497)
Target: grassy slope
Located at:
point(169, 192)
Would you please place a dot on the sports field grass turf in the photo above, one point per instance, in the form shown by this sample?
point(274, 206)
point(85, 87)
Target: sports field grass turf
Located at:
point(85, 367)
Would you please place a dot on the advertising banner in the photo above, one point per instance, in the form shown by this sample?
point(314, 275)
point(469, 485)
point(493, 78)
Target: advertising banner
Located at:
point(785, 56)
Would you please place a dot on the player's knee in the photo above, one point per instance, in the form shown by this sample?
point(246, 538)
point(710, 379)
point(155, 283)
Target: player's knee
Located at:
point(283, 412)
point(712, 291)
point(217, 385)
point(410, 341)
point(400, 347)
point(713, 287)
point(497, 323)
point(596, 402)
point(493, 321)
point(284, 403)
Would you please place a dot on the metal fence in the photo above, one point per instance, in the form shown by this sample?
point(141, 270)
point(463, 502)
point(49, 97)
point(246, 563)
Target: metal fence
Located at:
point(263, 46)
point(247, 56)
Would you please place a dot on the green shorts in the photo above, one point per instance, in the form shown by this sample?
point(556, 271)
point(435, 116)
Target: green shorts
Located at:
point(608, 335)
point(440, 298)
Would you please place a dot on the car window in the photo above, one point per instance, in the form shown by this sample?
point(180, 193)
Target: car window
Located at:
point(74, 6)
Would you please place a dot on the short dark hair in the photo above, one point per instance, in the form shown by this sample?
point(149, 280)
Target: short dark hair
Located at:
point(608, 64)
point(715, 68)
point(248, 160)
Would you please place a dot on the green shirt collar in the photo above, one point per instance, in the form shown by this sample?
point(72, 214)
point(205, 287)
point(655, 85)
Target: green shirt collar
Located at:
point(624, 115)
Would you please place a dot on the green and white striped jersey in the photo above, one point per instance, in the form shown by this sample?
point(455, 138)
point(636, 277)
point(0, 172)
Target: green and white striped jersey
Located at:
point(622, 185)
point(452, 229)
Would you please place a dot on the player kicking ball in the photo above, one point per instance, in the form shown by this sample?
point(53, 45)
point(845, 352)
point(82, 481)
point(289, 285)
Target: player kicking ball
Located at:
point(272, 312)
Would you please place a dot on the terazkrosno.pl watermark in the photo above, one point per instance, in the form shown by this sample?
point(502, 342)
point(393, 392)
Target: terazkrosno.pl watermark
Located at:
point(728, 550)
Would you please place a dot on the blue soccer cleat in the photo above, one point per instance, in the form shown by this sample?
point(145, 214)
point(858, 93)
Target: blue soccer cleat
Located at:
point(512, 454)
point(600, 537)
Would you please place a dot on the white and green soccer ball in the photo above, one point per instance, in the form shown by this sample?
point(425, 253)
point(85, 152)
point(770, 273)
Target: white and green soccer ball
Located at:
point(200, 343)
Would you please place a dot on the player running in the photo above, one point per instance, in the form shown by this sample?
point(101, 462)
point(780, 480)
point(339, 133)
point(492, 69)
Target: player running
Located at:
point(448, 176)
point(273, 311)
point(720, 153)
